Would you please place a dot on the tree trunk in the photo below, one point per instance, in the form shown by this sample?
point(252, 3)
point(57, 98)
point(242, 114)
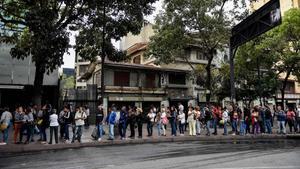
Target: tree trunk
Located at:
point(38, 84)
point(208, 79)
point(284, 83)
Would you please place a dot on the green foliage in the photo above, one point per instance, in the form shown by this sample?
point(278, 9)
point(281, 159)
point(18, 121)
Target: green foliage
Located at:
point(201, 24)
point(115, 19)
point(68, 82)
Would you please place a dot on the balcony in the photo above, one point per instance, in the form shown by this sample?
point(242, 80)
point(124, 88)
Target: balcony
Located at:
point(134, 90)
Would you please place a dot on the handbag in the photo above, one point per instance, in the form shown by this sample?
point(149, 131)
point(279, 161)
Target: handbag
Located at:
point(3, 126)
point(95, 133)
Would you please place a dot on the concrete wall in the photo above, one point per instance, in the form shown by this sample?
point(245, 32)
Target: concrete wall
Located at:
point(21, 72)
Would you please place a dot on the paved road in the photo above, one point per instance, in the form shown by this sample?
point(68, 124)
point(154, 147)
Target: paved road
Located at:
point(284, 154)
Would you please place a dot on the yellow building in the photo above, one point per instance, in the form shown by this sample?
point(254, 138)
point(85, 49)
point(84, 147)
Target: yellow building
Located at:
point(292, 91)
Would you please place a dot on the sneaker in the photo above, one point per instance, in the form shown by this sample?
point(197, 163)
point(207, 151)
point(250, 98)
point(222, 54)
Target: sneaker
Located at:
point(233, 134)
point(99, 139)
point(2, 143)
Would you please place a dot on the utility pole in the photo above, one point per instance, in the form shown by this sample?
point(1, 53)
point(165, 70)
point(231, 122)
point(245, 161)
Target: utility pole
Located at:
point(103, 54)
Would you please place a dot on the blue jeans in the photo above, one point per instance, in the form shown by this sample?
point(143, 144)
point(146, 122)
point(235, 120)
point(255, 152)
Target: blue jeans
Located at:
point(78, 134)
point(198, 127)
point(5, 134)
point(122, 129)
point(234, 126)
point(111, 131)
point(208, 126)
point(215, 122)
point(173, 127)
point(66, 127)
point(43, 135)
point(269, 126)
point(150, 128)
point(100, 130)
point(225, 127)
point(181, 127)
point(159, 129)
point(242, 128)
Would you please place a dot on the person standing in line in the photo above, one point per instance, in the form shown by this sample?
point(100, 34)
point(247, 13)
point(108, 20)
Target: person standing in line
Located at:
point(158, 122)
point(198, 118)
point(150, 117)
point(18, 123)
point(45, 122)
point(261, 119)
point(61, 121)
point(87, 112)
point(255, 123)
point(173, 120)
point(181, 119)
point(192, 122)
point(131, 121)
point(225, 118)
point(53, 126)
point(281, 117)
point(27, 123)
point(123, 122)
point(164, 120)
point(5, 120)
point(247, 115)
point(242, 123)
point(67, 121)
point(139, 121)
point(111, 122)
point(290, 115)
point(298, 118)
point(30, 126)
point(80, 116)
point(99, 121)
point(208, 118)
point(235, 118)
point(268, 117)
point(215, 114)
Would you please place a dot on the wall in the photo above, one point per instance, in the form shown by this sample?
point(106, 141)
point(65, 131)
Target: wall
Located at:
point(21, 72)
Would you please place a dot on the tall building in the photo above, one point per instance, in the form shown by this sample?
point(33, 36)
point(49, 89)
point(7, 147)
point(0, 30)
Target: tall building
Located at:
point(285, 5)
point(292, 91)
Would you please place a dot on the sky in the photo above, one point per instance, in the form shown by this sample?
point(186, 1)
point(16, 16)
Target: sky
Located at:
point(69, 59)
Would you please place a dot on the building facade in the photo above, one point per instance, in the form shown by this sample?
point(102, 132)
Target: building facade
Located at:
point(17, 77)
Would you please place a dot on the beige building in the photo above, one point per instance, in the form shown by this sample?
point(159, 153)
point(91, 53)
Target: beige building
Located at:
point(292, 91)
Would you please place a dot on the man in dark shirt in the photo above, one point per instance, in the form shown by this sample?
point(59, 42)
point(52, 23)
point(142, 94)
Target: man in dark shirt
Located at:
point(268, 118)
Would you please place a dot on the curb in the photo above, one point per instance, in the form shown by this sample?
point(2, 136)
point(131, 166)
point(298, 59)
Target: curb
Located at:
point(12, 149)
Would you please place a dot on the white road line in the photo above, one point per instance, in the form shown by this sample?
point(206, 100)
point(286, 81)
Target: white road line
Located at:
point(266, 167)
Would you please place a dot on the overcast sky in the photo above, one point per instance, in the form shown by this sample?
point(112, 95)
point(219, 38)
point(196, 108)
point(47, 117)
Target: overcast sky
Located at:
point(69, 59)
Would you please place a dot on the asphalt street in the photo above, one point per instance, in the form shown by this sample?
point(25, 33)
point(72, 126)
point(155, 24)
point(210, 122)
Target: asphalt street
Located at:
point(282, 154)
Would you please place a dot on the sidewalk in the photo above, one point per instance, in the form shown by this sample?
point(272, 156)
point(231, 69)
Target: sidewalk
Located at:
point(87, 140)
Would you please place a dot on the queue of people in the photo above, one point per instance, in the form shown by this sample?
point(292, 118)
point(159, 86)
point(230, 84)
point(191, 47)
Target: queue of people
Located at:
point(194, 121)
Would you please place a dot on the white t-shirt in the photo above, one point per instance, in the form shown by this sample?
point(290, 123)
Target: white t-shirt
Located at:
point(181, 117)
point(53, 120)
point(79, 118)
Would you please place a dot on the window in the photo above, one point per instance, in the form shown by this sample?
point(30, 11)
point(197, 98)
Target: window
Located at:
point(201, 56)
point(290, 87)
point(177, 78)
point(150, 80)
point(83, 69)
point(187, 53)
point(121, 78)
point(137, 60)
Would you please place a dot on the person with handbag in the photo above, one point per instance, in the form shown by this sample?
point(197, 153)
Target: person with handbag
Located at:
point(5, 122)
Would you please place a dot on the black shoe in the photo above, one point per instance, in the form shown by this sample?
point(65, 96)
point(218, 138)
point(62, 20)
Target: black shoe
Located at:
point(49, 143)
point(207, 134)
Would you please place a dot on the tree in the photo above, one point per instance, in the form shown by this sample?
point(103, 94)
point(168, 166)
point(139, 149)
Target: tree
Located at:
point(285, 43)
point(201, 23)
point(39, 28)
point(109, 20)
point(255, 77)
